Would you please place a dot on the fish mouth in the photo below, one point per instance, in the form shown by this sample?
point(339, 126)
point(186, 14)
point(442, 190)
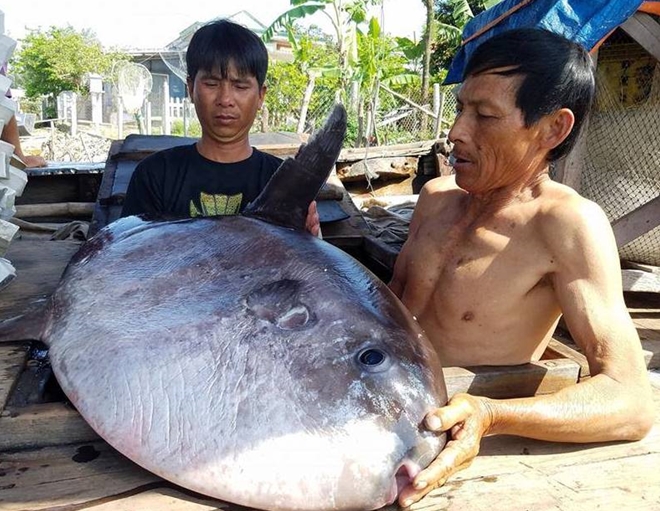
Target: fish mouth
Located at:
point(403, 477)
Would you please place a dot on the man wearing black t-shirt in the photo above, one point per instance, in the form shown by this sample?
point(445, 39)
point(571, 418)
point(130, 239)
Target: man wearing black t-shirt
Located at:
point(221, 173)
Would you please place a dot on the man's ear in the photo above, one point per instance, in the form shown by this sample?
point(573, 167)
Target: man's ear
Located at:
point(557, 127)
point(262, 94)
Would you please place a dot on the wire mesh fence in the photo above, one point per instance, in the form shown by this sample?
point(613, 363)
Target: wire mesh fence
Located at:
point(622, 165)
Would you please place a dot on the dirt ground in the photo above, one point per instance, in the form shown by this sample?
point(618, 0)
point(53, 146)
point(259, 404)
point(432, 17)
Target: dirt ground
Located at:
point(59, 145)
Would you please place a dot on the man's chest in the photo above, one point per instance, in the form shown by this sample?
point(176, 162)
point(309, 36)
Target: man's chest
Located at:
point(477, 266)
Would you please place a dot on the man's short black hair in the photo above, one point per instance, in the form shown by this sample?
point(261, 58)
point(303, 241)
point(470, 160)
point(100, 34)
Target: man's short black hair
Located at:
point(556, 73)
point(222, 42)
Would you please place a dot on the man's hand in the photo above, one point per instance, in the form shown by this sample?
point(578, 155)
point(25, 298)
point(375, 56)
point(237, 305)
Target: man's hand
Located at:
point(313, 223)
point(468, 419)
point(34, 161)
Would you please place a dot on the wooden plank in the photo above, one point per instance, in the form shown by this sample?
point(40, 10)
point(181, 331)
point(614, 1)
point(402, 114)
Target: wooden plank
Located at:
point(67, 476)
point(640, 281)
point(645, 31)
point(510, 474)
point(12, 362)
point(42, 425)
point(542, 377)
point(518, 474)
point(67, 209)
point(557, 349)
point(637, 222)
point(361, 153)
point(162, 499)
point(39, 265)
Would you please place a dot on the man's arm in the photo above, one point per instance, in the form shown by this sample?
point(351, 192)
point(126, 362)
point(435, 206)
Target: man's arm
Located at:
point(422, 210)
point(10, 135)
point(614, 404)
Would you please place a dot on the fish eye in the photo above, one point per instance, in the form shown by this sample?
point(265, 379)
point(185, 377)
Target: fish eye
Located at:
point(373, 359)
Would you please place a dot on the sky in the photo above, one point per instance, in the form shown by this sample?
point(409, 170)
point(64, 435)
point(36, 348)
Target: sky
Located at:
point(151, 24)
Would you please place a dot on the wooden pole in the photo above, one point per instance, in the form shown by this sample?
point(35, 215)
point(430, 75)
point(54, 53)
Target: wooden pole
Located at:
point(147, 117)
point(406, 100)
point(120, 118)
point(185, 117)
point(54, 209)
point(166, 129)
point(74, 114)
point(438, 106)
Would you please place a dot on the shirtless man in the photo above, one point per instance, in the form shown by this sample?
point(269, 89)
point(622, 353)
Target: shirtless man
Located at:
point(497, 252)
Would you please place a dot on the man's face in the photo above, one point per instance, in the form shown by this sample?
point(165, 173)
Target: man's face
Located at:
point(492, 146)
point(226, 107)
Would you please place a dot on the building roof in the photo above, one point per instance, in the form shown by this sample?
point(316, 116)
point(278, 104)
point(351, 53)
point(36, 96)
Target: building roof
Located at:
point(241, 17)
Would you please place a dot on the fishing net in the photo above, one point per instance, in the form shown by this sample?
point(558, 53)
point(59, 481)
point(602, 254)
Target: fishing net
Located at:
point(134, 82)
point(621, 170)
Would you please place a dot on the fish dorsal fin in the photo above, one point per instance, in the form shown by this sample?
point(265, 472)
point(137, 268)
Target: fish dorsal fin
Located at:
point(286, 198)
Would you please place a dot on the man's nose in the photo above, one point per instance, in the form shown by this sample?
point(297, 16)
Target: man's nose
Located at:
point(225, 96)
point(458, 131)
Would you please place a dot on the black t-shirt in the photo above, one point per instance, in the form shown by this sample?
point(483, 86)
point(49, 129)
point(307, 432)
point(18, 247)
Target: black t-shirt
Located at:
point(180, 182)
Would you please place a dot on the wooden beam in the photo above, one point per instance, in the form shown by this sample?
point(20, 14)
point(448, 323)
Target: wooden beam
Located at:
point(55, 209)
point(79, 476)
point(646, 31)
point(12, 361)
point(637, 222)
point(543, 377)
point(640, 281)
point(42, 425)
point(421, 108)
point(362, 153)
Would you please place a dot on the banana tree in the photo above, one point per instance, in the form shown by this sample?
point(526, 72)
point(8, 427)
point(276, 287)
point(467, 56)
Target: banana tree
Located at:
point(429, 35)
point(381, 62)
point(461, 11)
point(345, 16)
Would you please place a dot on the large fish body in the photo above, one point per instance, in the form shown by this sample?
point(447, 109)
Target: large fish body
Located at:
point(246, 361)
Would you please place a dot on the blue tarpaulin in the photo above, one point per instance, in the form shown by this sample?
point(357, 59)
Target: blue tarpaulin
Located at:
point(583, 21)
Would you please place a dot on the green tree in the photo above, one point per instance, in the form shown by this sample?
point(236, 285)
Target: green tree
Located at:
point(429, 36)
point(345, 16)
point(450, 17)
point(59, 59)
point(288, 81)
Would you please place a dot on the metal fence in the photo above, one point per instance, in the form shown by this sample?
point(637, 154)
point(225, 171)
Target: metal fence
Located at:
point(391, 117)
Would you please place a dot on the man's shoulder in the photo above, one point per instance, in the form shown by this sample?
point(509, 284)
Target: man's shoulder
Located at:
point(267, 159)
point(441, 184)
point(567, 216)
point(565, 205)
point(170, 154)
point(164, 161)
point(438, 192)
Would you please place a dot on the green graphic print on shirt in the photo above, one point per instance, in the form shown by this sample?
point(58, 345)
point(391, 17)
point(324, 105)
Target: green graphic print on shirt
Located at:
point(216, 205)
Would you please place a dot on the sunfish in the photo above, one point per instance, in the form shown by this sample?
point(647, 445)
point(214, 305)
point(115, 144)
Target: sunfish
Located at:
point(245, 359)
